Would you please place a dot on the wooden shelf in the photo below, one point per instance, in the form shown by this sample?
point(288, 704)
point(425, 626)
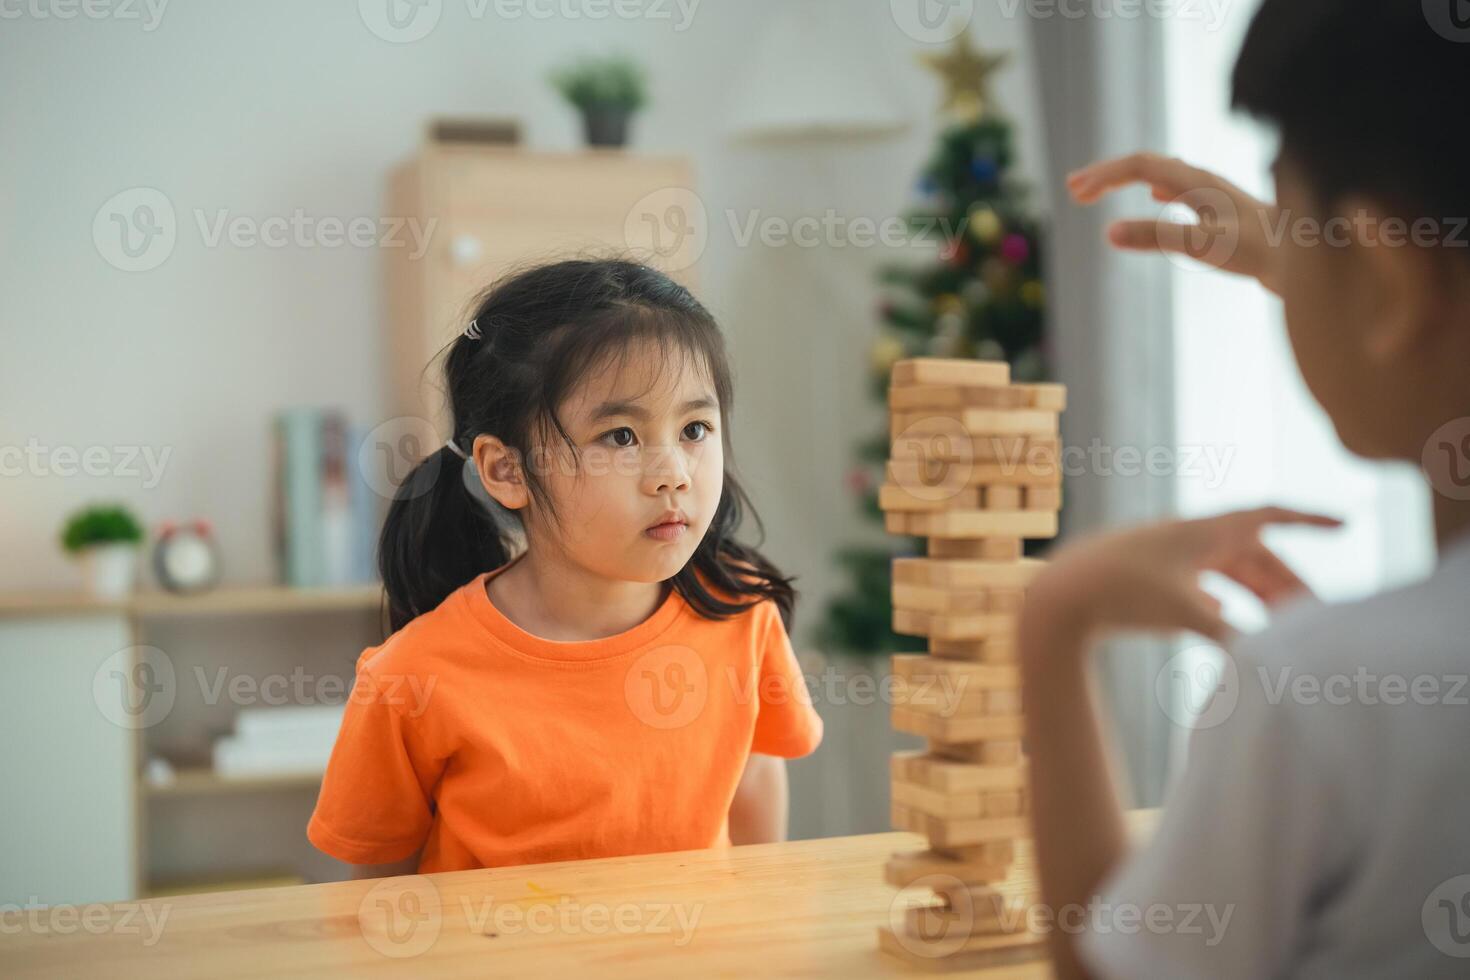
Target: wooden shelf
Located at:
point(206, 782)
point(225, 601)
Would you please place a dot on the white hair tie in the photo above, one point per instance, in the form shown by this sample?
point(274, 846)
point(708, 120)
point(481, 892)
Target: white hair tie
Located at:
point(455, 449)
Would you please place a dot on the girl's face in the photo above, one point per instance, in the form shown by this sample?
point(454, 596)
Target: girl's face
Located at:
point(649, 441)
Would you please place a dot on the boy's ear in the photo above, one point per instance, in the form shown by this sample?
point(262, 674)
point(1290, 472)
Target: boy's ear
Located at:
point(1405, 279)
point(500, 472)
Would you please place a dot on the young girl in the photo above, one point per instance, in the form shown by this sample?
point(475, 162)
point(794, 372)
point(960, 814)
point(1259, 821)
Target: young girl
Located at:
point(622, 684)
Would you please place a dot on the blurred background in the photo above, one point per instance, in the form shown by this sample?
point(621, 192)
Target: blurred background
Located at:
point(235, 233)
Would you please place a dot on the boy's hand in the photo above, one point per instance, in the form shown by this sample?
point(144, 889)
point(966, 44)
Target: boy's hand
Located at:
point(1232, 229)
point(1148, 578)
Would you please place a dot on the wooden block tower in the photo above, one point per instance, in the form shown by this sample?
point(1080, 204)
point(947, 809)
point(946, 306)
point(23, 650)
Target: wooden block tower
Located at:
point(975, 468)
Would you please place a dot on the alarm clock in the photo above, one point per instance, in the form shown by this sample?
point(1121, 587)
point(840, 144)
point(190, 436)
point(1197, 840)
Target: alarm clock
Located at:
point(185, 557)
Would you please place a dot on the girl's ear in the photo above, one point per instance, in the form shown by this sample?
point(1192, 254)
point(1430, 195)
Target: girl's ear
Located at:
point(500, 472)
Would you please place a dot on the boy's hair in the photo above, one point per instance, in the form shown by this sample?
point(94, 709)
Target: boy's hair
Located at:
point(533, 336)
point(1367, 97)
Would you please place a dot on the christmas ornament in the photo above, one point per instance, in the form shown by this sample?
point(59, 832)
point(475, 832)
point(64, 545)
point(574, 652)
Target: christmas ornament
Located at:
point(1032, 293)
point(966, 75)
point(985, 224)
point(1015, 248)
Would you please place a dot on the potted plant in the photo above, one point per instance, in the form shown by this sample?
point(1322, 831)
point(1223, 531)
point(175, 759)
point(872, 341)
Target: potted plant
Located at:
point(607, 91)
point(106, 539)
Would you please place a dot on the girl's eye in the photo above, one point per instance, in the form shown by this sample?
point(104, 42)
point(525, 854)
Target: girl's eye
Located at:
point(705, 426)
point(615, 433)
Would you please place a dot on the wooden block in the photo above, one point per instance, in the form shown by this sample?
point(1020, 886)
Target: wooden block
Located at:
point(978, 523)
point(990, 752)
point(1002, 498)
point(971, 804)
point(991, 852)
point(907, 867)
point(978, 549)
point(949, 443)
point(998, 649)
point(958, 832)
point(976, 909)
point(907, 398)
point(946, 776)
point(919, 668)
point(952, 700)
point(967, 573)
point(937, 599)
point(977, 953)
point(954, 626)
point(1049, 397)
point(957, 728)
point(950, 371)
point(892, 497)
point(974, 422)
point(969, 473)
point(1042, 498)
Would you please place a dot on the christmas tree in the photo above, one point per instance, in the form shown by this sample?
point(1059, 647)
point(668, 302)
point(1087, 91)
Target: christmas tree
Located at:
point(982, 298)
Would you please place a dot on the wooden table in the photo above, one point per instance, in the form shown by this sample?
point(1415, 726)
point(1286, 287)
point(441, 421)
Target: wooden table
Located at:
point(805, 908)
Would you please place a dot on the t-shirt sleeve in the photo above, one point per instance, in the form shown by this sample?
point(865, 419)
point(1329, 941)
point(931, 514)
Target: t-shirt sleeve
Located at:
point(375, 802)
point(1229, 873)
point(787, 724)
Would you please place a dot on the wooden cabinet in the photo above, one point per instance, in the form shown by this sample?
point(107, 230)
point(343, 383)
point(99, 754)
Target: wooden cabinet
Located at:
point(487, 210)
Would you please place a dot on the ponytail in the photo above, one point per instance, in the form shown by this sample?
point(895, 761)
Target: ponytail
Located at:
point(436, 537)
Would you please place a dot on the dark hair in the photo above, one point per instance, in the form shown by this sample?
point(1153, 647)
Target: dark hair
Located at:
point(532, 337)
point(1366, 95)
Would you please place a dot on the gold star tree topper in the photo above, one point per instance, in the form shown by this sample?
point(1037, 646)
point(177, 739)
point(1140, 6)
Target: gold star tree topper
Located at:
point(966, 73)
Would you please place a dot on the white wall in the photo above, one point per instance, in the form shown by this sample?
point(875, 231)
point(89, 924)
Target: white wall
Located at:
point(269, 107)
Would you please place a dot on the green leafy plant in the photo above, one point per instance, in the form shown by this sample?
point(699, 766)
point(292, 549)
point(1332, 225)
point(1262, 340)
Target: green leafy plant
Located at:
point(613, 82)
point(100, 525)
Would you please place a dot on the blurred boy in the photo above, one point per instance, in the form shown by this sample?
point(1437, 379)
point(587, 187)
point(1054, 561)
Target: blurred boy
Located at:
point(1319, 829)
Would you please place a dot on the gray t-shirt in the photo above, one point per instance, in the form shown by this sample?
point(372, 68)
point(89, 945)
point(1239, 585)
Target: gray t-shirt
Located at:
point(1321, 827)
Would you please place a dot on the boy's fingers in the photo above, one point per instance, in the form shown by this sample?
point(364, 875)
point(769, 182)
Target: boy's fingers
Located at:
point(1201, 614)
point(1172, 175)
point(1150, 236)
point(1262, 516)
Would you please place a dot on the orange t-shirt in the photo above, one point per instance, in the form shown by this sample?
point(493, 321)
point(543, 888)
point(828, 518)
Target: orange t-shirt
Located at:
point(489, 746)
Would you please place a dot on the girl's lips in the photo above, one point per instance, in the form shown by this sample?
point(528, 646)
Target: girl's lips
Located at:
point(667, 532)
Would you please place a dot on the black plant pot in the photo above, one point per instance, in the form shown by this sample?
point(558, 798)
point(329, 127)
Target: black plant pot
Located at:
point(606, 125)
